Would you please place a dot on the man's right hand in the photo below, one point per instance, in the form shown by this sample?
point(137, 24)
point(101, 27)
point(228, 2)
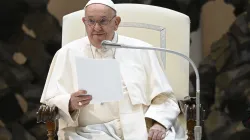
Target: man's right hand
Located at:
point(78, 100)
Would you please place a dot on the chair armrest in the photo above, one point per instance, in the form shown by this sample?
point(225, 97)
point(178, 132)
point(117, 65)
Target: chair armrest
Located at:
point(48, 115)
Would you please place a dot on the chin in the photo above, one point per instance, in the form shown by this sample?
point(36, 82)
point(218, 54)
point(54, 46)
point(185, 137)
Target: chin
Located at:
point(96, 43)
point(98, 38)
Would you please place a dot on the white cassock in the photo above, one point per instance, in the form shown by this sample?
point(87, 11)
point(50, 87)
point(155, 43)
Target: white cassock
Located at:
point(147, 95)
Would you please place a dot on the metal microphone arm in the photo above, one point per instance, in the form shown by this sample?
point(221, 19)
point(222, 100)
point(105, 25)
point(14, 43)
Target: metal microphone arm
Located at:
point(197, 129)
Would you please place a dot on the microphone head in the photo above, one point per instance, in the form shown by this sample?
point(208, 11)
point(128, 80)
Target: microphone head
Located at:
point(106, 44)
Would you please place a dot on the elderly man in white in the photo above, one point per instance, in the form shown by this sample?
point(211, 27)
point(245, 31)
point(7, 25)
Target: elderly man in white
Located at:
point(148, 110)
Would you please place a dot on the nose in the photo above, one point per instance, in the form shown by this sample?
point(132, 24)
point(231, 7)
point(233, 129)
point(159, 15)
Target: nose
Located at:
point(97, 27)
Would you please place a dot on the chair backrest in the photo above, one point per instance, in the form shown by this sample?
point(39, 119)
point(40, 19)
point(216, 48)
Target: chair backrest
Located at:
point(158, 26)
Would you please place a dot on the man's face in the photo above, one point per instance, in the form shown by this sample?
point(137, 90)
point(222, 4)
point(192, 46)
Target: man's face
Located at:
point(100, 22)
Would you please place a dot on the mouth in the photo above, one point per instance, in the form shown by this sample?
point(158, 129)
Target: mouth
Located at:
point(99, 34)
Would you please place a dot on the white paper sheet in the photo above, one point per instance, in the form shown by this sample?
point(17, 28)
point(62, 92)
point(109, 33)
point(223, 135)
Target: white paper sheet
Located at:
point(101, 78)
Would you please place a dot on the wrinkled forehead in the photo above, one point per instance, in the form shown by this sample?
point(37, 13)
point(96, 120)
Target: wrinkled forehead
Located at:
point(99, 10)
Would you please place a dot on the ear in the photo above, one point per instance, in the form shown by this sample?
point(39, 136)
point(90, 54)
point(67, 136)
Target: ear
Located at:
point(83, 20)
point(117, 22)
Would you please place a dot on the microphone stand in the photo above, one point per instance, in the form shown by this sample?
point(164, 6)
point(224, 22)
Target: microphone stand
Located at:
point(197, 129)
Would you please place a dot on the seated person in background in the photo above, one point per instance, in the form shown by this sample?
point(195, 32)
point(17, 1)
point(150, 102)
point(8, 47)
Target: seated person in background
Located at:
point(149, 109)
point(225, 79)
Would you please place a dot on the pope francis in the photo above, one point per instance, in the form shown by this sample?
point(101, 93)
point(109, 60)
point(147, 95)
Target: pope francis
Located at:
point(148, 110)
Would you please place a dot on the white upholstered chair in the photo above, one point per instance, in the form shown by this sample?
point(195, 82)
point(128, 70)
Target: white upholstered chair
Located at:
point(158, 26)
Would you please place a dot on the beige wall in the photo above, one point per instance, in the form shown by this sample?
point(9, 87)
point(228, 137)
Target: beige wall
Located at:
point(216, 18)
point(59, 8)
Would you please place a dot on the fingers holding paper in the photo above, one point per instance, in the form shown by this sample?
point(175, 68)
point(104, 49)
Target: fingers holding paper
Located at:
point(78, 100)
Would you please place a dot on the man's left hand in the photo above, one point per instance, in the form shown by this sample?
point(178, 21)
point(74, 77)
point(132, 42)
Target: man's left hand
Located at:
point(157, 132)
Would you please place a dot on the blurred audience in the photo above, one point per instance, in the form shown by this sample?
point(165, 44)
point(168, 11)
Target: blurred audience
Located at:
point(225, 78)
point(29, 38)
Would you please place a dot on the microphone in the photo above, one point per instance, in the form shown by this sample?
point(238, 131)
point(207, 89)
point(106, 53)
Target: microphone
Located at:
point(197, 129)
point(107, 44)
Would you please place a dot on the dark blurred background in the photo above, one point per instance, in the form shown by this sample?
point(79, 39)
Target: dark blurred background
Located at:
point(30, 34)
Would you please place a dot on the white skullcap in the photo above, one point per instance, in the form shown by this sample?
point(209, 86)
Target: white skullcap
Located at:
point(108, 3)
